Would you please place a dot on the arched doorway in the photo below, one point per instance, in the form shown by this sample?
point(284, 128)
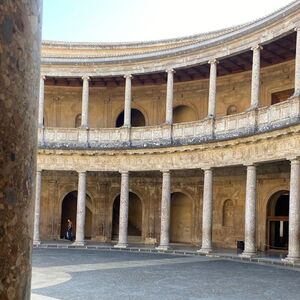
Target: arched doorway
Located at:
point(183, 113)
point(137, 118)
point(135, 217)
point(278, 221)
point(181, 218)
point(69, 211)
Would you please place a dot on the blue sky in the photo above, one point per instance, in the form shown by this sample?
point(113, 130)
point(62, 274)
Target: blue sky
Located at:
point(140, 20)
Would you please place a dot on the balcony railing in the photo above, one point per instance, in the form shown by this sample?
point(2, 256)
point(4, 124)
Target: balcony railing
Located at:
point(239, 125)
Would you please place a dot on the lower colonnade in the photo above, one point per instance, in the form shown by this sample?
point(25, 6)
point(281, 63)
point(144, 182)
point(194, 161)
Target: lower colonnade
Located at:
point(249, 214)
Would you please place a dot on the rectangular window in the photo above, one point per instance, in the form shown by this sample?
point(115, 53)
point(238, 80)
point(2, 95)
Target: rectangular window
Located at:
point(281, 96)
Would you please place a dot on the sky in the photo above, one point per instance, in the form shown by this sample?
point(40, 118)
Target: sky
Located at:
point(146, 20)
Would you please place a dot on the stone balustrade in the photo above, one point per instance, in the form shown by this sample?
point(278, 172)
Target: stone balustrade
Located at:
point(227, 127)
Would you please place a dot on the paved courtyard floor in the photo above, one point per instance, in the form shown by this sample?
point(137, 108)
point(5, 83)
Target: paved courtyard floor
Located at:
point(93, 274)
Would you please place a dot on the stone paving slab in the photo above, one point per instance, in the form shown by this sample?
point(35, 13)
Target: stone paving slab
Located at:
point(134, 275)
point(186, 250)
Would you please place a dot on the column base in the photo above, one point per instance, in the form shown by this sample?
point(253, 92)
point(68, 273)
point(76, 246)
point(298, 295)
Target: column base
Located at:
point(78, 243)
point(37, 242)
point(121, 246)
point(205, 250)
point(247, 254)
point(291, 260)
point(162, 248)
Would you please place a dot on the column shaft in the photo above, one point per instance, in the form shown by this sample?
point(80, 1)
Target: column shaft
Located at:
point(165, 211)
point(85, 103)
point(250, 212)
point(80, 218)
point(212, 88)
point(297, 64)
point(41, 102)
point(169, 96)
point(207, 212)
point(37, 208)
point(294, 212)
point(123, 218)
point(255, 82)
point(20, 41)
point(127, 103)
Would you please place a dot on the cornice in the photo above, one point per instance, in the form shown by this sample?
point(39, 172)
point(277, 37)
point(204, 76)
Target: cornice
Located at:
point(195, 43)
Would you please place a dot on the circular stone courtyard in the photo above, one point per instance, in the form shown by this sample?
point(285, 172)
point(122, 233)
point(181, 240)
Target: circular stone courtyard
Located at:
point(93, 274)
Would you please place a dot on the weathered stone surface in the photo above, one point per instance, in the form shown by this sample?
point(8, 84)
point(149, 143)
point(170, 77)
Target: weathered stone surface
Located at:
point(20, 25)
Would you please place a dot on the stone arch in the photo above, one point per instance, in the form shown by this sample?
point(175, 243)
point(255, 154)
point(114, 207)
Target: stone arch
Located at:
point(277, 220)
point(231, 110)
point(135, 215)
point(181, 218)
point(69, 211)
point(138, 118)
point(227, 213)
point(184, 113)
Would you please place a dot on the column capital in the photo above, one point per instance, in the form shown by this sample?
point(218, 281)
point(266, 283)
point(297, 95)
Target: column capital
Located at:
point(172, 71)
point(213, 61)
point(38, 170)
point(165, 171)
point(128, 76)
point(256, 47)
point(294, 160)
point(297, 28)
point(206, 168)
point(85, 77)
point(81, 171)
point(124, 172)
point(43, 77)
point(250, 164)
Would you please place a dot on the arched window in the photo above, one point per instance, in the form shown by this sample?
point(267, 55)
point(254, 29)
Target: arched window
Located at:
point(228, 213)
point(231, 110)
point(78, 121)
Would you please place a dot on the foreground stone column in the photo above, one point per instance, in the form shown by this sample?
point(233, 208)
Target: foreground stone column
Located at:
point(294, 213)
point(207, 212)
point(80, 217)
point(165, 211)
point(20, 38)
point(37, 208)
point(127, 104)
point(123, 218)
point(212, 88)
point(255, 82)
point(250, 213)
point(41, 102)
point(297, 63)
point(169, 96)
point(85, 102)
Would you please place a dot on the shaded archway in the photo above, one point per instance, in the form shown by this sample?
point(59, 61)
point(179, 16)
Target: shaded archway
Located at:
point(184, 113)
point(135, 216)
point(278, 221)
point(137, 118)
point(78, 121)
point(181, 218)
point(69, 211)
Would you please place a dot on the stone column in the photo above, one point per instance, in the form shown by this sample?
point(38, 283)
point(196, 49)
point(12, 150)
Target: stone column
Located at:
point(255, 82)
point(294, 213)
point(212, 88)
point(165, 211)
point(250, 213)
point(41, 102)
point(80, 217)
point(207, 212)
point(124, 202)
point(169, 97)
point(85, 102)
point(37, 208)
point(127, 104)
point(297, 63)
point(20, 40)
